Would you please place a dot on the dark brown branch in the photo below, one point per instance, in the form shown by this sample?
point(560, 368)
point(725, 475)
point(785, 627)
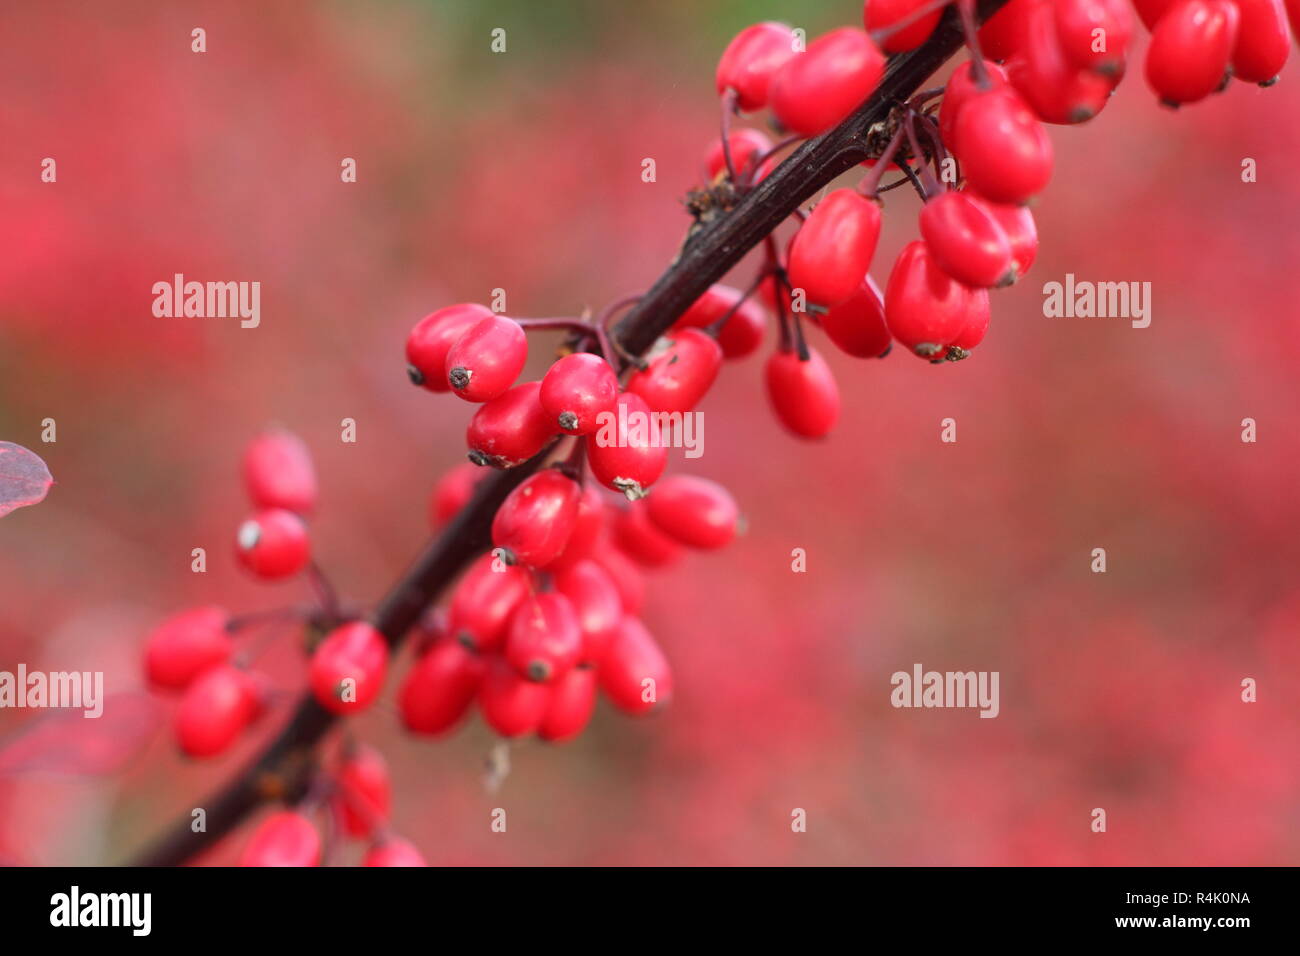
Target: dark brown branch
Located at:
point(283, 769)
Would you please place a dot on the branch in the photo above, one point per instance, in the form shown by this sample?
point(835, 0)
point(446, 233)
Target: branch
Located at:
point(284, 768)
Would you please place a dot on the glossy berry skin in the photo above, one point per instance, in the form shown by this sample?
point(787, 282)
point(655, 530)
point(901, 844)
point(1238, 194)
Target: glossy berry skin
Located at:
point(803, 394)
point(571, 704)
point(511, 704)
point(452, 492)
point(273, 544)
point(1076, 21)
point(484, 600)
point(742, 333)
point(821, 86)
point(635, 675)
point(681, 371)
point(365, 796)
point(1004, 150)
point(1004, 33)
point(433, 336)
point(486, 359)
point(511, 428)
point(640, 540)
point(693, 511)
point(958, 91)
point(1190, 50)
point(857, 325)
point(278, 473)
point(533, 524)
point(626, 575)
point(286, 838)
point(587, 529)
point(353, 652)
point(186, 645)
point(393, 851)
point(925, 308)
point(966, 241)
point(751, 59)
point(597, 604)
point(215, 709)
point(747, 145)
point(576, 389)
point(438, 690)
point(878, 14)
point(1263, 43)
point(627, 453)
point(976, 322)
point(1017, 224)
point(545, 641)
point(832, 250)
point(1056, 89)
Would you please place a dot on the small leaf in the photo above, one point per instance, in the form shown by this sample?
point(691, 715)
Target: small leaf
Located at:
point(24, 479)
point(66, 742)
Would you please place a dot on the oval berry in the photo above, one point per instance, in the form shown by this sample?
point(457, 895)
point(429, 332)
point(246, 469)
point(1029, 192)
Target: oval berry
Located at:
point(832, 250)
point(215, 709)
point(742, 332)
point(694, 511)
point(286, 838)
point(186, 645)
point(1263, 43)
point(487, 359)
point(433, 336)
point(966, 241)
point(512, 705)
point(452, 492)
point(437, 692)
point(640, 540)
point(587, 529)
point(857, 325)
point(278, 473)
point(1004, 33)
point(925, 308)
point(545, 641)
point(572, 702)
point(1004, 150)
point(484, 600)
point(273, 544)
point(365, 796)
point(511, 428)
point(803, 393)
point(635, 674)
point(821, 86)
point(393, 851)
point(1094, 34)
point(627, 452)
point(1058, 90)
point(957, 92)
point(882, 14)
point(1190, 50)
point(751, 59)
point(597, 604)
point(747, 146)
point(577, 389)
point(348, 668)
point(682, 368)
point(976, 322)
point(534, 523)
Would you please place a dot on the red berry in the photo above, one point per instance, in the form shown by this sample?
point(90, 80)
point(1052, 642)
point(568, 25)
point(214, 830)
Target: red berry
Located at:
point(278, 473)
point(635, 674)
point(694, 511)
point(1077, 26)
point(976, 322)
point(1151, 11)
point(832, 250)
point(453, 491)
point(433, 336)
point(512, 705)
point(439, 688)
point(186, 645)
point(742, 333)
point(273, 544)
point(215, 709)
point(393, 851)
point(1004, 150)
point(577, 389)
point(365, 795)
point(879, 14)
point(573, 699)
point(1017, 223)
point(545, 641)
point(286, 838)
point(820, 87)
point(348, 668)
point(857, 325)
point(1263, 44)
point(535, 521)
point(958, 91)
point(925, 308)
point(586, 530)
point(1058, 90)
point(966, 241)
point(627, 577)
point(1003, 34)
point(597, 604)
point(640, 540)
point(803, 393)
point(682, 368)
point(747, 146)
point(1190, 49)
point(627, 453)
point(484, 600)
point(487, 359)
point(511, 428)
point(750, 60)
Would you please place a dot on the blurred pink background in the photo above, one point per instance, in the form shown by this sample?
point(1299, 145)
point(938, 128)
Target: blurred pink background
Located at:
point(522, 171)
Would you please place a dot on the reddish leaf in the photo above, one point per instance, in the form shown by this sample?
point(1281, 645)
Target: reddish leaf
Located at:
point(66, 742)
point(24, 479)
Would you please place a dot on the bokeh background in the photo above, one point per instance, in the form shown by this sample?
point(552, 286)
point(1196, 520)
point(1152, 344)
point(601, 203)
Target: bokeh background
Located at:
point(522, 171)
